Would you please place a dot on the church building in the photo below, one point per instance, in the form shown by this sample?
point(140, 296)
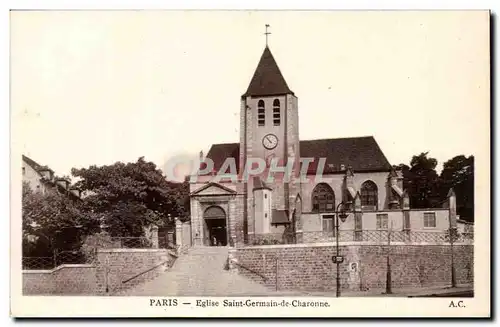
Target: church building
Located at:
point(355, 177)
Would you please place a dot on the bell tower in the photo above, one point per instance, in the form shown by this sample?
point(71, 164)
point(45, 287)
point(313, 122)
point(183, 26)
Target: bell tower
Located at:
point(270, 132)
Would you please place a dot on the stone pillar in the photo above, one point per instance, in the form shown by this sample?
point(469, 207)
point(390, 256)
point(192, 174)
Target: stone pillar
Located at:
point(393, 198)
point(299, 234)
point(406, 215)
point(250, 217)
point(232, 260)
point(186, 234)
point(452, 208)
point(349, 185)
point(406, 211)
point(231, 220)
point(154, 237)
point(400, 178)
point(197, 222)
point(358, 218)
point(178, 233)
point(238, 220)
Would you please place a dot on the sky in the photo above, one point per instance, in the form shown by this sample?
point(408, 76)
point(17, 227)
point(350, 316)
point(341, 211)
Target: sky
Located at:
point(96, 87)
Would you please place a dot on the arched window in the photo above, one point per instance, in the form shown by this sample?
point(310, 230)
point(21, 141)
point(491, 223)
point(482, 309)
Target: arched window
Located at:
point(323, 198)
point(261, 113)
point(276, 112)
point(369, 195)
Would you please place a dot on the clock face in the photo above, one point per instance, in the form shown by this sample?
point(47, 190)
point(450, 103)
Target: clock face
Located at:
point(270, 141)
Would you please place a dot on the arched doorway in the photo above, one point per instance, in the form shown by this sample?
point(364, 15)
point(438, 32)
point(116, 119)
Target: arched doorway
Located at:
point(214, 219)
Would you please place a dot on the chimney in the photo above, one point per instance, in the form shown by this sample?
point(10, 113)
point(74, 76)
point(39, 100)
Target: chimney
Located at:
point(47, 174)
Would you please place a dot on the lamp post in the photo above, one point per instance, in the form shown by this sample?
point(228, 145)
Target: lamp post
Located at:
point(343, 216)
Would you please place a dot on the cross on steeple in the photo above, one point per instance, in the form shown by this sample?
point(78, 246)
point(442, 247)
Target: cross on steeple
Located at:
point(267, 33)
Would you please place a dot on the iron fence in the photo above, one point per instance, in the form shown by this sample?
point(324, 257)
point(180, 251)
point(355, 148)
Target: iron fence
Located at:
point(372, 236)
point(131, 242)
point(38, 263)
point(79, 257)
point(59, 258)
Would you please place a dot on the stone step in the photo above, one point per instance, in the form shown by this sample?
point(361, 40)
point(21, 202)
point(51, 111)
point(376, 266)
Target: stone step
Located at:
point(201, 272)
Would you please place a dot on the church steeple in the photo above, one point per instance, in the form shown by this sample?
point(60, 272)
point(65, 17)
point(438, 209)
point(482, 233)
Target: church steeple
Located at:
point(267, 79)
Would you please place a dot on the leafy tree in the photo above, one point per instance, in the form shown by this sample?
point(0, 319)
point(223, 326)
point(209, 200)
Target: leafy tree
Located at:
point(128, 196)
point(51, 221)
point(458, 173)
point(94, 242)
point(407, 175)
point(422, 181)
point(183, 199)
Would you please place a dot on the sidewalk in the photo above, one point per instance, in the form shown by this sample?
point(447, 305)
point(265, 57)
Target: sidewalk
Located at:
point(396, 292)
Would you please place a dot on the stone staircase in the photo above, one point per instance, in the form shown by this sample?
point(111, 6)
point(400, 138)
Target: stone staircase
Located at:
point(200, 272)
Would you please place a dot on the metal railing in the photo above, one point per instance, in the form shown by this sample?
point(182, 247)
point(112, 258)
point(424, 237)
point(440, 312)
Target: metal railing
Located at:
point(131, 242)
point(168, 262)
point(59, 258)
point(249, 270)
point(372, 236)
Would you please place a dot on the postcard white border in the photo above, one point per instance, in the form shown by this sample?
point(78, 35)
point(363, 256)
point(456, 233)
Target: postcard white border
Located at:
point(30, 306)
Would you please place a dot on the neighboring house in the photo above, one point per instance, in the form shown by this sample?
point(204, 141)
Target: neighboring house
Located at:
point(355, 172)
point(42, 179)
point(464, 226)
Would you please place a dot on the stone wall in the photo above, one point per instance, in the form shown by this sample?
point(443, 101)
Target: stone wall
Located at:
point(309, 267)
point(65, 279)
point(116, 266)
point(106, 276)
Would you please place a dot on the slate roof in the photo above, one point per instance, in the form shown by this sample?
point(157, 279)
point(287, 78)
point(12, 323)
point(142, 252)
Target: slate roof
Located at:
point(279, 217)
point(361, 153)
point(267, 79)
point(258, 184)
point(55, 182)
point(219, 152)
point(35, 165)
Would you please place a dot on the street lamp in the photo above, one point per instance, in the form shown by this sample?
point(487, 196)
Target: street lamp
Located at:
point(343, 216)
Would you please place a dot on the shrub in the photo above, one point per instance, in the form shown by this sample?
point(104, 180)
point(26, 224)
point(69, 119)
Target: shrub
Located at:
point(95, 241)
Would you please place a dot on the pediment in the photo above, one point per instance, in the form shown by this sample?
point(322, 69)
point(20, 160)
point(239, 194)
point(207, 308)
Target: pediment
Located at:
point(213, 189)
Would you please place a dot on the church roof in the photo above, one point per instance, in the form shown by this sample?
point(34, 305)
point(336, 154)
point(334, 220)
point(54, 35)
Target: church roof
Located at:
point(279, 217)
point(267, 79)
point(258, 184)
point(219, 152)
point(362, 154)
